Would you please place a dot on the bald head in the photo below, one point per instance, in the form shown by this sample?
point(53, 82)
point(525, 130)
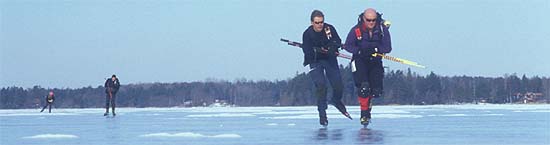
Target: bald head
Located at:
point(370, 12)
point(369, 17)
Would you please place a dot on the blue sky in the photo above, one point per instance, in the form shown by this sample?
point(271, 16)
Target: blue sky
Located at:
point(78, 43)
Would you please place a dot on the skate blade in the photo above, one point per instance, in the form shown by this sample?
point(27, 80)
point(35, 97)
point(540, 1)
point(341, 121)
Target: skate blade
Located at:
point(347, 115)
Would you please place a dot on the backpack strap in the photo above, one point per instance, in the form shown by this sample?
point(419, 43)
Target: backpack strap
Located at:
point(358, 34)
point(328, 33)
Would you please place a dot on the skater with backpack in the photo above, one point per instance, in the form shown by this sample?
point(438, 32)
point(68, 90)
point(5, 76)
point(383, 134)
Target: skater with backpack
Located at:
point(369, 37)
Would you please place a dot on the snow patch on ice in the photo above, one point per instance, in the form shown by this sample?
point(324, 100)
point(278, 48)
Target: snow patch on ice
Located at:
point(190, 135)
point(272, 124)
point(51, 136)
point(226, 136)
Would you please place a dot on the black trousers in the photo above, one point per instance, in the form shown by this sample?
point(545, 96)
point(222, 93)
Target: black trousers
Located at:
point(368, 75)
point(110, 99)
point(321, 71)
point(47, 104)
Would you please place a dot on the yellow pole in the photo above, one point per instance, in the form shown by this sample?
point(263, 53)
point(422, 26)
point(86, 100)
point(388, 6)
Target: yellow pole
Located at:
point(400, 60)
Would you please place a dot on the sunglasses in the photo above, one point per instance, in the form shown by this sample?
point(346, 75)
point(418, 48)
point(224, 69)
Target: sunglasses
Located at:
point(370, 20)
point(319, 22)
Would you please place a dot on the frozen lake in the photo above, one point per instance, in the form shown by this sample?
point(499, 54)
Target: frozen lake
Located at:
point(431, 125)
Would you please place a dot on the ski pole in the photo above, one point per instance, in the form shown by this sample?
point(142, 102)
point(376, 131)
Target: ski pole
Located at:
point(298, 44)
point(395, 59)
point(399, 60)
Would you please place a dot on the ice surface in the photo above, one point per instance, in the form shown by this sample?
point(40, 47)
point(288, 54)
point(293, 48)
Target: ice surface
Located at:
point(223, 115)
point(430, 125)
point(190, 135)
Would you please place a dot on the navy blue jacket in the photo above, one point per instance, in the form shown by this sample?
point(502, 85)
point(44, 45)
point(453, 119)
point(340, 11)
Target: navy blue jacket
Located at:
point(311, 39)
point(365, 45)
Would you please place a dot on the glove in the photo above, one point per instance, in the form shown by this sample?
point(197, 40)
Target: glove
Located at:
point(387, 23)
point(367, 51)
point(333, 48)
point(332, 51)
point(320, 50)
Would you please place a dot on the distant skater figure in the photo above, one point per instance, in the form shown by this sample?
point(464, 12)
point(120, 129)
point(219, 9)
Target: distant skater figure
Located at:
point(49, 101)
point(111, 88)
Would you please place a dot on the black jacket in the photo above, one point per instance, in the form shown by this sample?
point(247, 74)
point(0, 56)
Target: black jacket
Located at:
point(112, 85)
point(327, 38)
point(50, 99)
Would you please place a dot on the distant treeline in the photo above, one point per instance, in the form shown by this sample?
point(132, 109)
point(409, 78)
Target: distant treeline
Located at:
point(400, 87)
